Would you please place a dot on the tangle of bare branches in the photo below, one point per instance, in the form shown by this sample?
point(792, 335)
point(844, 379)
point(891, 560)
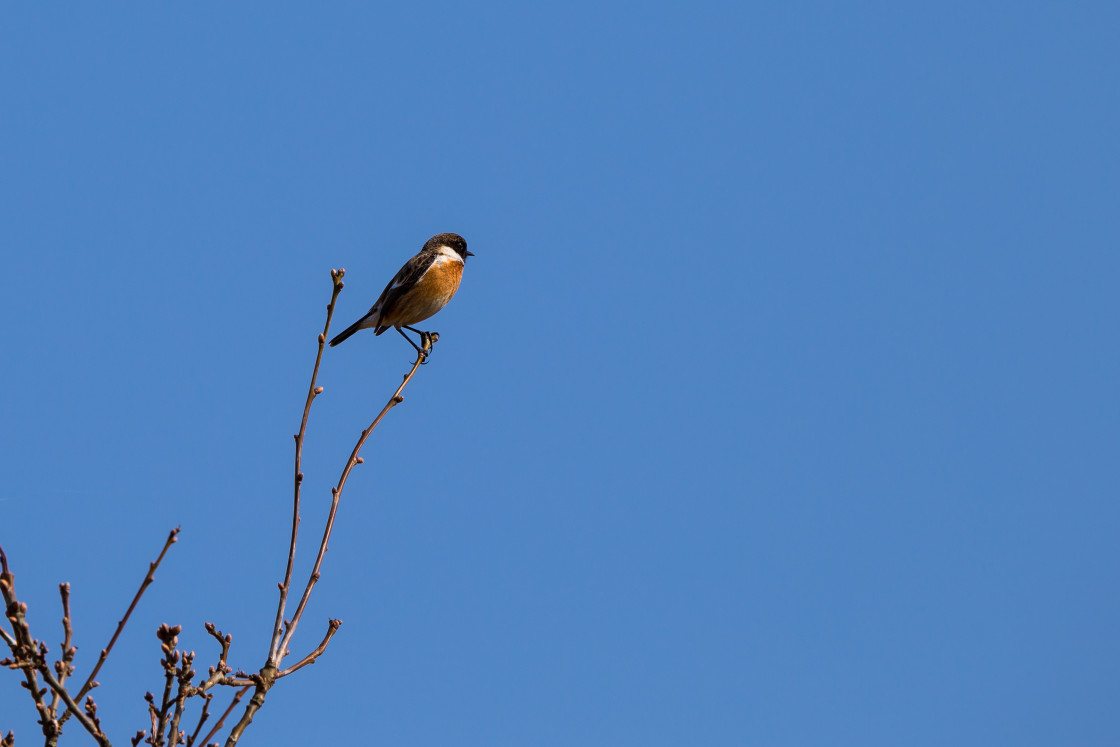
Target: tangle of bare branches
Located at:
point(29, 655)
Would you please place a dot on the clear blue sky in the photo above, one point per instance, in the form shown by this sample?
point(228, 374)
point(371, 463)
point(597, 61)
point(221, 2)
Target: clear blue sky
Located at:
point(778, 407)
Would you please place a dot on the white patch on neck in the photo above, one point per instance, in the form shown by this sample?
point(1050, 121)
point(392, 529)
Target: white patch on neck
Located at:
point(446, 251)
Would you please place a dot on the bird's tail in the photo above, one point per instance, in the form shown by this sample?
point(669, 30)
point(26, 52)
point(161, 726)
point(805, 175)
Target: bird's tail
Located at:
point(348, 331)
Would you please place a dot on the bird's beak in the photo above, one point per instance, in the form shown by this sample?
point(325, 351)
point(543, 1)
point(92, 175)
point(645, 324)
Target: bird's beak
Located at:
point(470, 254)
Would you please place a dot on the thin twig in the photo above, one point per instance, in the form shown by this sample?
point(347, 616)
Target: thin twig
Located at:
point(28, 654)
point(73, 707)
point(172, 538)
point(184, 675)
point(206, 698)
point(153, 716)
point(274, 655)
point(221, 722)
point(336, 492)
point(91, 711)
point(173, 664)
point(164, 706)
point(64, 667)
point(269, 672)
point(224, 640)
point(218, 673)
point(332, 628)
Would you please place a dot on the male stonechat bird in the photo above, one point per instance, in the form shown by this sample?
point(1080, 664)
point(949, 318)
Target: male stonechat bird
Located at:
point(420, 289)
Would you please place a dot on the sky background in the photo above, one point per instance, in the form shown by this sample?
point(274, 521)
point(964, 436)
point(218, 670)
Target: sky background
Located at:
point(779, 405)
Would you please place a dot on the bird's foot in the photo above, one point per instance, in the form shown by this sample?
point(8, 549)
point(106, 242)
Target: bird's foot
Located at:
point(427, 342)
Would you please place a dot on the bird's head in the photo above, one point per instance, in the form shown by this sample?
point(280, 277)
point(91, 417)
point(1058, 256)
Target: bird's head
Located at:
point(452, 241)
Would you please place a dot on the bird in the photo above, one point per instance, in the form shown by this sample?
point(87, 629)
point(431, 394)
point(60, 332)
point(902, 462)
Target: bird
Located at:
point(418, 291)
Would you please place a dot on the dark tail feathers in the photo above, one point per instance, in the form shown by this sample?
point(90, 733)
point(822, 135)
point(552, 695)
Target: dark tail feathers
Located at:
point(346, 332)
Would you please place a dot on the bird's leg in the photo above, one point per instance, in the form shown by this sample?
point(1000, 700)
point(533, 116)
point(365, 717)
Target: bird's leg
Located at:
point(423, 353)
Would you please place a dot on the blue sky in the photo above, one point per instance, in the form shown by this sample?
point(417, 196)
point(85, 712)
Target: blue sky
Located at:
point(778, 406)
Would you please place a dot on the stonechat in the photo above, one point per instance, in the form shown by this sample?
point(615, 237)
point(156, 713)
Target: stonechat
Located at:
point(419, 289)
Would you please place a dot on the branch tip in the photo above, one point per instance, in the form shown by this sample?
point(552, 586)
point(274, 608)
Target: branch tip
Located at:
point(172, 538)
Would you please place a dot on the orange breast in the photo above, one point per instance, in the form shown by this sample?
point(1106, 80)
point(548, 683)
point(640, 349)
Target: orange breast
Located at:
point(429, 295)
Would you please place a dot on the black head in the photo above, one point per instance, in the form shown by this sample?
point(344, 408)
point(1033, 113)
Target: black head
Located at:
point(452, 241)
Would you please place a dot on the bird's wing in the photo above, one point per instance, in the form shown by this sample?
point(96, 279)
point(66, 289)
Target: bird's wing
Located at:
point(405, 278)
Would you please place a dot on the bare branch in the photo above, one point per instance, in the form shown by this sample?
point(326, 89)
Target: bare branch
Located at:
point(255, 703)
point(221, 722)
point(206, 698)
point(274, 649)
point(218, 673)
point(223, 639)
point(172, 538)
point(153, 716)
point(50, 726)
point(72, 707)
point(64, 667)
point(28, 654)
point(332, 628)
point(8, 592)
point(91, 711)
point(336, 492)
point(169, 640)
point(269, 672)
point(184, 675)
